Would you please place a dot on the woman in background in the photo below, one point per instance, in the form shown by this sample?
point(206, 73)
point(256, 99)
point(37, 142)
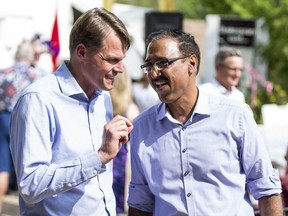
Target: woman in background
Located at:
point(124, 105)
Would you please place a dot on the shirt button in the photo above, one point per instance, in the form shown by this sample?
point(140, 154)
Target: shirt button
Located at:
point(95, 172)
point(189, 194)
point(186, 173)
point(184, 150)
point(69, 185)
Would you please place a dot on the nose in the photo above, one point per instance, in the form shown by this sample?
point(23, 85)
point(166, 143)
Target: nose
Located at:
point(119, 67)
point(154, 73)
point(238, 72)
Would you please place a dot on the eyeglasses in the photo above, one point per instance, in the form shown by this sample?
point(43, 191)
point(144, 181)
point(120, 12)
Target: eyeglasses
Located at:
point(160, 64)
point(233, 69)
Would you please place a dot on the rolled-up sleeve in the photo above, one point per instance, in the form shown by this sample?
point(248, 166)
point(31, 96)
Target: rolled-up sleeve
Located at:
point(262, 179)
point(266, 186)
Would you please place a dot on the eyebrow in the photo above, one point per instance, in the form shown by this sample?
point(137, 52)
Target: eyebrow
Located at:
point(155, 59)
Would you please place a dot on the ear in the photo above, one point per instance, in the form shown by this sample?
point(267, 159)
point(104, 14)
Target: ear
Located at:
point(81, 51)
point(218, 67)
point(193, 64)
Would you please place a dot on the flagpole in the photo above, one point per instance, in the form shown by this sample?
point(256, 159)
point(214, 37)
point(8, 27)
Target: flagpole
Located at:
point(166, 5)
point(108, 4)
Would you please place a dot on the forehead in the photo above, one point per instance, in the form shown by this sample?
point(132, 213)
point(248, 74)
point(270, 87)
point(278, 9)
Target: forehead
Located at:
point(234, 60)
point(112, 45)
point(163, 47)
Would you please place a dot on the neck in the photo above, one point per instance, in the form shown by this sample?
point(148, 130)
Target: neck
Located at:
point(227, 87)
point(183, 110)
point(80, 79)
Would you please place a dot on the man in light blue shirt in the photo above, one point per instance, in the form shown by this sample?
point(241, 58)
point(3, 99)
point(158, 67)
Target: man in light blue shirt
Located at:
point(63, 134)
point(195, 153)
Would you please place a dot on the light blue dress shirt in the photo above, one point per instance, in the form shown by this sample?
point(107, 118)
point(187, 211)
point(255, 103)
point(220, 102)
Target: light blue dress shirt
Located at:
point(56, 132)
point(203, 167)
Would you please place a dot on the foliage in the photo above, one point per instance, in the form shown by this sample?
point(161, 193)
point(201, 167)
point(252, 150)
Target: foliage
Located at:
point(277, 96)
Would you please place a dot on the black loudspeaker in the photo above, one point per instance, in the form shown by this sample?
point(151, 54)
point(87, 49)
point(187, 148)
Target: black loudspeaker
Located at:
point(155, 21)
point(76, 14)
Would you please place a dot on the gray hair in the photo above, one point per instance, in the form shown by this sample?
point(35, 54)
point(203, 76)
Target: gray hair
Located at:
point(226, 52)
point(25, 52)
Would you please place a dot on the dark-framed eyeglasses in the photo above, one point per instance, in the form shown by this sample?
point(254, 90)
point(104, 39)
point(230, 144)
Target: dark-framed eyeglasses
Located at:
point(160, 64)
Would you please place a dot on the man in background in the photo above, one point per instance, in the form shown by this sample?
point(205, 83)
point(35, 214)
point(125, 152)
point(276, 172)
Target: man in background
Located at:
point(229, 65)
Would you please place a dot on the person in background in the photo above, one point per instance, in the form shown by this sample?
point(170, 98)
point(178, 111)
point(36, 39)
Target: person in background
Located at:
point(39, 49)
point(229, 66)
point(143, 94)
point(195, 153)
point(12, 81)
point(63, 134)
point(124, 105)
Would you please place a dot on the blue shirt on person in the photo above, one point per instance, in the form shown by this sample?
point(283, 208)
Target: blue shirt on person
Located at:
point(202, 167)
point(56, 132)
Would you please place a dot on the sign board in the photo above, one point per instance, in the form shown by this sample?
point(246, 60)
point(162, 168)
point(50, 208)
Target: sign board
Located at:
point(236, 32)
point(154, 21)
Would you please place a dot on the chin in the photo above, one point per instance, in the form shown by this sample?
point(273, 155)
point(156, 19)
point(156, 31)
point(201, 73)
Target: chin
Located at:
point(108, 88)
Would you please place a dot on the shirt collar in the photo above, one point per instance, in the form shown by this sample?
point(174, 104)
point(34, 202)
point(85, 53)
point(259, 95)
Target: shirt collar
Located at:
point(202, 107)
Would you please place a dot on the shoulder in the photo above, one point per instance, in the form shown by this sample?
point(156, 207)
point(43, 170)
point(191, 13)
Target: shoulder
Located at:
point(206, 85)
point(209, 87)
point(222, 103)
point(147, 117)
point(43, 85)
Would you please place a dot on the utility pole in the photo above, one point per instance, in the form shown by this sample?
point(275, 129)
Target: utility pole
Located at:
point(166, 5)
point(108, 4)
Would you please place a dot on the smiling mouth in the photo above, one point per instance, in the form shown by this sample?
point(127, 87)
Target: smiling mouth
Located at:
point(159, 83)
point(110, 77)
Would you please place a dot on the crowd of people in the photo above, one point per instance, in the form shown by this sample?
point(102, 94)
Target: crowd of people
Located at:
point(87, 140)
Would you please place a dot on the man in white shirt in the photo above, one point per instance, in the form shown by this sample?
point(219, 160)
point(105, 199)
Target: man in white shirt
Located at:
point(229, 66)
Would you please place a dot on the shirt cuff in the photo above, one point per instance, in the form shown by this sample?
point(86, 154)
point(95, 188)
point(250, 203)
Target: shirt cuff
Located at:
point(266, 186)
point(91, 165)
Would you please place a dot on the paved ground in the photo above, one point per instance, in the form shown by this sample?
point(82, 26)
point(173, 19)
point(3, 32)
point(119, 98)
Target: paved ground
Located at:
point(10, 206)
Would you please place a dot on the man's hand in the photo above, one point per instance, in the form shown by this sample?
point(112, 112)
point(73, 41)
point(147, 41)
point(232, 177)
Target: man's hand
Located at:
point(115, 134)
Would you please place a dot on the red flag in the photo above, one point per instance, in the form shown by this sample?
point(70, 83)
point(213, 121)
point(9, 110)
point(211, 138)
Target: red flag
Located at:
point(55, 43)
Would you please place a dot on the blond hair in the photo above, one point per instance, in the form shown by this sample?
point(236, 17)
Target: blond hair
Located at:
point(121, 94)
